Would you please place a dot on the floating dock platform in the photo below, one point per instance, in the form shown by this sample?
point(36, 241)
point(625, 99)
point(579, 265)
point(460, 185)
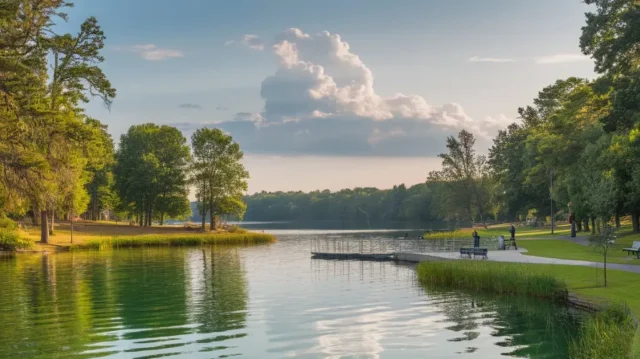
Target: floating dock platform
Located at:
point(354, 256)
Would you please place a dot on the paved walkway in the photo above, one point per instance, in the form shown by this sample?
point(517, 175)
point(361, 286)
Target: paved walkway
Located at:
point(517, 257)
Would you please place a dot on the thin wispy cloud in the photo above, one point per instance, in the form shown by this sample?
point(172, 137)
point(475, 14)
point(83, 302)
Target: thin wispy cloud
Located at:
point(491, 59)
point(191, 106)
point(561, 59)
point(152, 52)
point(251, 41)
point(222, 108)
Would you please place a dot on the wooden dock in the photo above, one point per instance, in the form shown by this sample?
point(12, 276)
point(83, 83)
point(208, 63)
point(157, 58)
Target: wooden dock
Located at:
point(354, 256)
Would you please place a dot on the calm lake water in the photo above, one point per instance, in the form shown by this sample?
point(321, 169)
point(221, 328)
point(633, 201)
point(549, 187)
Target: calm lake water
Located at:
point(269, 301)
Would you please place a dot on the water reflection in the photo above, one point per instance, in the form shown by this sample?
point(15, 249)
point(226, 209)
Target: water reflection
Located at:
point(121, 304)
point(254, 302)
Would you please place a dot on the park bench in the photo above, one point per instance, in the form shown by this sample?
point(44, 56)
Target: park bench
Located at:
point(635, 248)
point(474, 251)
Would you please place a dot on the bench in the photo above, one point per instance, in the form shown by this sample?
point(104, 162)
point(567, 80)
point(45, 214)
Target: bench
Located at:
point(474, 251)
point(635, 248)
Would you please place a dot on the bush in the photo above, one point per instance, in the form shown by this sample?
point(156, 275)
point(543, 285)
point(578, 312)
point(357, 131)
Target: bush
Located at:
point(10, 240)
point(6, 223)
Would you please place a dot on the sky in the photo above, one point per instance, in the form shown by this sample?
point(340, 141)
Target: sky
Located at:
point(333, 94)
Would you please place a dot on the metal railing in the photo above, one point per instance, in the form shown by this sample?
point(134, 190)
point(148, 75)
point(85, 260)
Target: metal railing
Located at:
point(380, 245)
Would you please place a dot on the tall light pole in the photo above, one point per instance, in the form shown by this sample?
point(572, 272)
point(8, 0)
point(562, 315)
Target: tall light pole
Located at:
point(551, 196)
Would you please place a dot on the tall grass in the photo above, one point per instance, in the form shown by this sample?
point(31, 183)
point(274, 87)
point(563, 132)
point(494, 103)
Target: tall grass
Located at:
point(493, 277)
point(457, 234)
point(176, 240)
point(606, 334)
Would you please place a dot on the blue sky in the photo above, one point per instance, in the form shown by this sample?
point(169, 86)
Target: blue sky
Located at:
point(317, 110)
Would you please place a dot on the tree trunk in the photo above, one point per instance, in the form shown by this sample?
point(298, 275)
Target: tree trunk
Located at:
point(635, 222)
point(94, 200)
point(617, 221)
point(161, 218)
point(44, 227)
point(71, 219)
point(53, 216)
point(598, 221)
point(579, 224)
point(211, 221)
point(593, 225)
point(35, 215)
point(586, 224)
point(605, 268)
point(204, 217)
point(573, 229)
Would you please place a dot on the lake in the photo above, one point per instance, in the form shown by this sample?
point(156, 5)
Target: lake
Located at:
point(269, 301)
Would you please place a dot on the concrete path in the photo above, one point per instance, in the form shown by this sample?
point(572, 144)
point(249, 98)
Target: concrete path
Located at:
point(514, 257)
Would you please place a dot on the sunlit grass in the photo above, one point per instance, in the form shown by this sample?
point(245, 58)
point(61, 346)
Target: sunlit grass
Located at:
point(176, 240)
point(494, 277)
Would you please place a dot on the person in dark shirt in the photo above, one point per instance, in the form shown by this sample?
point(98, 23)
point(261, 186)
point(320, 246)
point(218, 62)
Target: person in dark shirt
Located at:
point(476, 239)
point(512, 230)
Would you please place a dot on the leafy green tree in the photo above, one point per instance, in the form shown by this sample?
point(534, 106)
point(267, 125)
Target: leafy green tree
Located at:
point(464, 174)
point(219, 177)
point(151, 172)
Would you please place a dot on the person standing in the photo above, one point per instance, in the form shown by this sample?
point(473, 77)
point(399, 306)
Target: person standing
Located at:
point(512, 230)
point(476, 239)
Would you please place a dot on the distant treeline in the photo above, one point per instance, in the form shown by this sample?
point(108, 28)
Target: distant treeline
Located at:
point(414, 204)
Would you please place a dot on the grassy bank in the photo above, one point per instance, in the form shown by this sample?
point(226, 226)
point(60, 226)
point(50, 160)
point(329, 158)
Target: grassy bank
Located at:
point(606, 334)
point(493, 277)
point(175, 240)
point(101, 235)
point(522, 232)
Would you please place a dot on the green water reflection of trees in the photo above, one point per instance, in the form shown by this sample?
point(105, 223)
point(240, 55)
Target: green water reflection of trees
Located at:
point(77, 305)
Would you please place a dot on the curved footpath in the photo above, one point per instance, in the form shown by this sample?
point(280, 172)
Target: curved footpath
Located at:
point(514, 257)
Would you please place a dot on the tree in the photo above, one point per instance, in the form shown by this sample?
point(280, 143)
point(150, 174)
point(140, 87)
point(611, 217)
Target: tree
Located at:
point(219, 177)
point(464, 173)
point(602, 243)
point(151, 172)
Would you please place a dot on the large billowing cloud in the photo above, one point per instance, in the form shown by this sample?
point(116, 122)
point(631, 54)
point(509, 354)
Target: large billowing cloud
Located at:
point(321, 100)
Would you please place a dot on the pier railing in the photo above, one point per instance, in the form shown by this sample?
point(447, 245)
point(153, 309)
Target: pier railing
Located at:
point(379, 245)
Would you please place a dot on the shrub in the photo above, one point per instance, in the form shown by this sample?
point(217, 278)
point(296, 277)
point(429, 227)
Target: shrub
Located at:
point(6, 223)
point(10, 240)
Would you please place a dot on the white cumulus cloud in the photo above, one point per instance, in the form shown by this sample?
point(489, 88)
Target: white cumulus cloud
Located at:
point(324, 90)
point(251, 41)
point(490, 59)
point(152, 52)
point(561, 59)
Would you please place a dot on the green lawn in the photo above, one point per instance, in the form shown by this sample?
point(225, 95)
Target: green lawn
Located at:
point(564, 249)
point(503, 229)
